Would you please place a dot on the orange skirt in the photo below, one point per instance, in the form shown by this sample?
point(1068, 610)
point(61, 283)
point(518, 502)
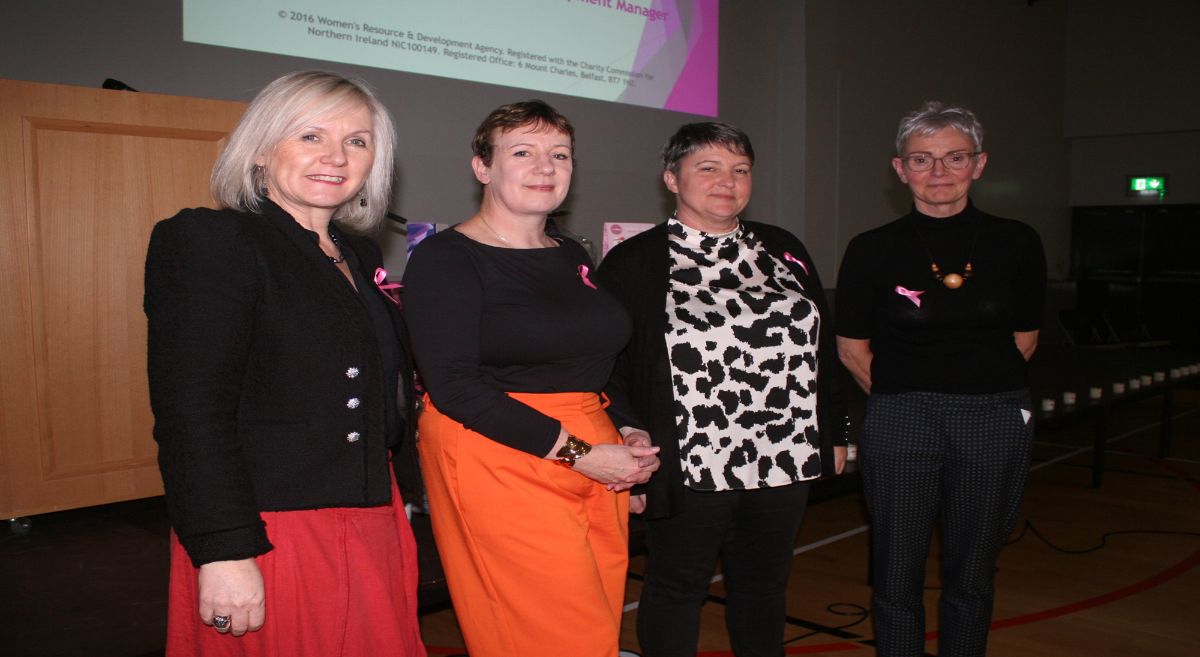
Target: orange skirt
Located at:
point(340, 582)
point(535, 554)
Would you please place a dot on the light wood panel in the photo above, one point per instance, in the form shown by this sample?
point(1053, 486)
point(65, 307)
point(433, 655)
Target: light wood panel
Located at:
point(84, 174)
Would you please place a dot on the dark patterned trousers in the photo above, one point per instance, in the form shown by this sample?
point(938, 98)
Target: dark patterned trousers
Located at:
point(754, 533)
point(963, 459)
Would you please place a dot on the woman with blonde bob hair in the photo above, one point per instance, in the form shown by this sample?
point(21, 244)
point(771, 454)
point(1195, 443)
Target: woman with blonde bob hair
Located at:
point(279, 109)
point(280, 381)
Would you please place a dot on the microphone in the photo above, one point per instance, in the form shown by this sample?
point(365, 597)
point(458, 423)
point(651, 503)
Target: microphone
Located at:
point(117, 85)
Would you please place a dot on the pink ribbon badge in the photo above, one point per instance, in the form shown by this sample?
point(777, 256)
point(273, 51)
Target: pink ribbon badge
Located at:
point(911, 294)
point(583, 274)
point(390, 290)
point(791, 258)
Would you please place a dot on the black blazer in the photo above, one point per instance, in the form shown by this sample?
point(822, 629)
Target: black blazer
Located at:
point(636, 272)
point(266, 380)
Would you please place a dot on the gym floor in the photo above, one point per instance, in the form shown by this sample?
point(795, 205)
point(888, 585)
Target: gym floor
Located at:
point(1089, 571)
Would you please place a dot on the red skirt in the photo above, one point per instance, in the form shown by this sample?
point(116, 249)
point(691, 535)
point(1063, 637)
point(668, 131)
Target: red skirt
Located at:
point(340, 582)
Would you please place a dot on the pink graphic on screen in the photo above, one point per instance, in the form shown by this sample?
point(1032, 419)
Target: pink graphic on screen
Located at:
point(686, 42)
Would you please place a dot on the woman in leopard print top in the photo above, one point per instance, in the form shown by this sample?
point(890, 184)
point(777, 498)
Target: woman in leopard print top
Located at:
point(733, 371)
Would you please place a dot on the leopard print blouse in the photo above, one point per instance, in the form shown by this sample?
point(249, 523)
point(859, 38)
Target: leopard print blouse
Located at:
point(742, 343)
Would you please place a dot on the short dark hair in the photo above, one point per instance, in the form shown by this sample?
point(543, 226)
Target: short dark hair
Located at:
point(692, 137)
point(536, 114)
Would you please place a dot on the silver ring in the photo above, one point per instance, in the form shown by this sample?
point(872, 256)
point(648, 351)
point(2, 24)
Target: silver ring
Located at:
point(221, 622)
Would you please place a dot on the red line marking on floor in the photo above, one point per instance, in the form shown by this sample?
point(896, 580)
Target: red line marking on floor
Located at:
point(1105, 598)
point(1178, 472)
point(1054, 612)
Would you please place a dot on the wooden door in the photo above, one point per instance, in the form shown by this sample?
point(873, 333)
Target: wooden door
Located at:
point(84, 175)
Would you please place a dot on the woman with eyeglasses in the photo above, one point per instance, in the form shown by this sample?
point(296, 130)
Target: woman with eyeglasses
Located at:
point(937, 314)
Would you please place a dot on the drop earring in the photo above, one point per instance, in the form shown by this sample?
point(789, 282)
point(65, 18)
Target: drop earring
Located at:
point(362, 199)
point(260, 179)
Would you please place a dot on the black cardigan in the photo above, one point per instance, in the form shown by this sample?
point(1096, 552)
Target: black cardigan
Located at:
point(637, 273)
point(265, 378)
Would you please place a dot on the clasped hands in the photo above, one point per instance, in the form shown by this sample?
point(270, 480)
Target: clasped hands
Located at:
point(621, 467)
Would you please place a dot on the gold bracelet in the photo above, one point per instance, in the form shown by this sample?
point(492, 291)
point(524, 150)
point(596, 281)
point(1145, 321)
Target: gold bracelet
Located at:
point(572, 450)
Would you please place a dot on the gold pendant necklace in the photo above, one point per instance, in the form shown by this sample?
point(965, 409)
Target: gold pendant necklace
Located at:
point(953, 280)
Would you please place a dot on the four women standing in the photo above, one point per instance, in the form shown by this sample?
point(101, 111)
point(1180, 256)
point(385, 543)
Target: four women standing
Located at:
point(281, 381)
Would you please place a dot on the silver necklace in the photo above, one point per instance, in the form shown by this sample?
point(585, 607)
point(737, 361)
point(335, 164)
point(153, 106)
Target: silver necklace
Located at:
point(489, 226)
point(341, 252)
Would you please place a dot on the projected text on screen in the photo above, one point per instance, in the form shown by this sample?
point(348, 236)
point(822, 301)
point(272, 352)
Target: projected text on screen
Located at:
point(655, 53)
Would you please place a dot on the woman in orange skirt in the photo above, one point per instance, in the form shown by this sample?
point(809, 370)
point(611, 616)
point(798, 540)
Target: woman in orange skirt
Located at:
point(525, 472)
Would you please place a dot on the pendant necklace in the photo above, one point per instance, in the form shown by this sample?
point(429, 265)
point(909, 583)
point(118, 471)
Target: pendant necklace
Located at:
point(341, 252)
point(952, 280)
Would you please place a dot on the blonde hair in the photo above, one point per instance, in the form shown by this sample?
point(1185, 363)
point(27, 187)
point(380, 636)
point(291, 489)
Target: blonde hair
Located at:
point(278, 111)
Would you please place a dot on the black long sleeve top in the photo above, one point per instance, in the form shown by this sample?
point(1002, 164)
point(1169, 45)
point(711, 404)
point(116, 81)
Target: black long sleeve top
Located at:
point(488, 320)
point(927, 337)
point(267, 382)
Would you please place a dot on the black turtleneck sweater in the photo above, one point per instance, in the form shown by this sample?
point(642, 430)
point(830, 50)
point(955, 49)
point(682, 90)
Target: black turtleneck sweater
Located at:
point(954, 341)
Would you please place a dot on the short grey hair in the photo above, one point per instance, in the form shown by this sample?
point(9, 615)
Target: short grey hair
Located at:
point(285, 106)
point(935, 116)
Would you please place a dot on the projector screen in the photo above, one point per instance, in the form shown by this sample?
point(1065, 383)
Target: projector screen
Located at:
point(654, 53)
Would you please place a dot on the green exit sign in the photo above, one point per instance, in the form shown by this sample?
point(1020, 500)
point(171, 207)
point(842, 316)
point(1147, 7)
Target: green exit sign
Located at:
point(1155, 186)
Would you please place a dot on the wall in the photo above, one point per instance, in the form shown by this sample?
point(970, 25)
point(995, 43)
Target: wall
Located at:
point(1100, 164)
point(871, 62)
point(1132, 97)
point(820, 86)
point(82, 42)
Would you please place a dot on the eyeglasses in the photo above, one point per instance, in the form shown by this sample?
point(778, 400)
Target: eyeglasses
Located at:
point(957, 160)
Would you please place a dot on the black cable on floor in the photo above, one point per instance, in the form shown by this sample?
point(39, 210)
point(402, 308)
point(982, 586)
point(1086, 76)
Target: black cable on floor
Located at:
point(1029, 527)
point(838, 609)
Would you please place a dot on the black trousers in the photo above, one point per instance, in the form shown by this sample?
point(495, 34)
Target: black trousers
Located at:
point(754, 533)
point(963, 459)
